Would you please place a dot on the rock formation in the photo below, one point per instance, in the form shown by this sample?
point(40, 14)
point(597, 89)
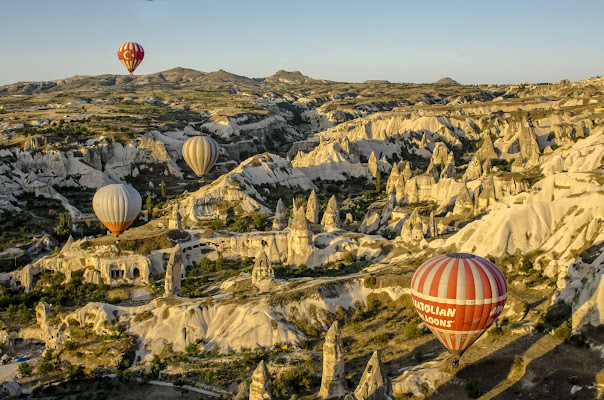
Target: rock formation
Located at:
point(333, 381)
point(487, 150)
point(280, 221)
point(449, 170)
point(331, 217)
point(374, 384)
point(432, 230)
point(487, 166)
point(371, 222)
point(474, 169)
point(388, 207)
point(42, 313)
point(175, 221)
point(487, 195)
point(440, 153)
point(413, 228)
point(406, 174)
point(433, 170)
point(260, 388)
point(372, 164)
point(174, 272)
point(392, 178)
point(299, 239)
point(424, 142)
point(527, 141)
point(464, 201)
point(262, 268)
point(312, 210)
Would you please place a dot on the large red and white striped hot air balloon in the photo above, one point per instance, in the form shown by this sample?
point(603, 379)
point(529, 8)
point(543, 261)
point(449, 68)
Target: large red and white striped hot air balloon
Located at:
point(131, 55)
point(117, 206)
point(200, 153)
point(458, 296)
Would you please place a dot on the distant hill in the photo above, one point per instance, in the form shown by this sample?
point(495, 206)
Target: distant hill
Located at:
point(175, 75)
point(376, 81)
point(221, 80)
point(446, 81)
point(291, 78)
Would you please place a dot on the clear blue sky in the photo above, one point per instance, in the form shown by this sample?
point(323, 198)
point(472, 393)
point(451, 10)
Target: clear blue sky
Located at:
point(401, 41)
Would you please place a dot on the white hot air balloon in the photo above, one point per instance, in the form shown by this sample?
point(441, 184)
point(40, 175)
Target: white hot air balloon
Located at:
point(117, 206)
point(201, 153)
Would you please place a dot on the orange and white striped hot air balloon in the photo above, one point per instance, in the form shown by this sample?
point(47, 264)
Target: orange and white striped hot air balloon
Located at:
point(200, 153)
point(117, 206)
point(131, 55)
point(458, 296)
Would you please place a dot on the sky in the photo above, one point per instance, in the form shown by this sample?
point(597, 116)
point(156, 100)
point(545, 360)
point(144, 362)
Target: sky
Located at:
point(473, 42)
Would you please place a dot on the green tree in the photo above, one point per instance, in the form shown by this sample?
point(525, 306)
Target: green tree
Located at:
point(219, 263)
point(149, 207)
point(378, 181)
point(260, 221)
point(412, 331)
point(216, 223)
point(206, 265)
point(242, 224)
point(162, 190)
point(45, 367)
point(24, 369)
point(64, 227)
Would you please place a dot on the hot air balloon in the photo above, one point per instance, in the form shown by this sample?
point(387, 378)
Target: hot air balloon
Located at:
point(458, 296)
point(116, 206)
point(201, 153)
point(131, 55)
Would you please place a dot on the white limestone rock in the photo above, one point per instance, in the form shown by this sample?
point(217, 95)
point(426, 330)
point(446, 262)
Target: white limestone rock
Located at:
point(312, 210)
point(262, 269)
point(280, 221)
point(331, 217)
point(238, 187)
point(299, 239)
point(374, 384)
point(174, 271)
point(260, 388)
point(333, 380)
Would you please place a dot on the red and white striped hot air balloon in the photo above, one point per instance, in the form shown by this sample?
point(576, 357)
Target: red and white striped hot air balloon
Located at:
point(131, 55)
point(458, 296)
point(200, 153)
point(117, 206)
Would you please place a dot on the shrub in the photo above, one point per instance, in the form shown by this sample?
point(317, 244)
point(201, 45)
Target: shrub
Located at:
point(370, 282)
point(24, 369)
point(260, 221)
point(192, 349)
point(75, 373)
point(381, 339)
point(517, 362)
point(497, 331)
point(472, 389)
point(411, 331)
point(45, 367)
point(216, 223)
point(69, 345)
point(242, 224)
point(293, 380)
point(64, 227)
point(207, 265)
point(563, 331)
point(350, 257)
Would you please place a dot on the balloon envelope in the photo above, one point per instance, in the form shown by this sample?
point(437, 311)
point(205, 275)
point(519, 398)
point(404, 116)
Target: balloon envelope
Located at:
point(201, 153)
point(117, 206)
point(131, 55)
point(458, 296)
